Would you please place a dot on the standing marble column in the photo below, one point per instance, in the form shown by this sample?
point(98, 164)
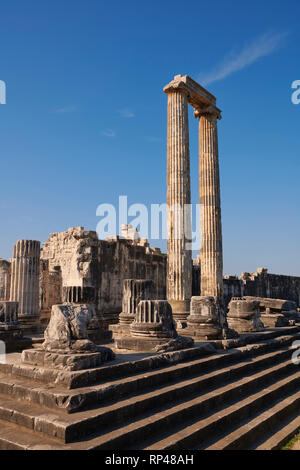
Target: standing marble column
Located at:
point(4, 279)
point(179, 263)
point(211, 253)
point(25, 268)
point(207, 318)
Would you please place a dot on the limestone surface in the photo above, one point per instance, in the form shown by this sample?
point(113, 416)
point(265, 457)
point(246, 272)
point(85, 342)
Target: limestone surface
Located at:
point(244, 315)
point(204, 320)
point(90, 270)
point(25, 268)
point(4, 279)
point(68, 328)
point(179, 262)
point(134, 290)
point(66, 344)
point(153, 329)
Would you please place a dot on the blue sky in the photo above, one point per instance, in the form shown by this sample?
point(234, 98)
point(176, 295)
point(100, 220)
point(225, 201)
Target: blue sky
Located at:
point(85, 118)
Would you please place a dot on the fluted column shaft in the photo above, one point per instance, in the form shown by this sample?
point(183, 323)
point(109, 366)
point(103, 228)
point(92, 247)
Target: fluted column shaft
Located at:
point(179, 263)
point(211, 253)
point(25, 266)
point(134, 290)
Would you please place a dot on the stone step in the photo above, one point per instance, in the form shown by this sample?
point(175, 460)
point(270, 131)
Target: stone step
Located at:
point(114, 370)
point(13, 437)
point(78, 425)
point(246, 434)
point(197, 434)
point(280, 435)
point(80, 398)
point(167, 419)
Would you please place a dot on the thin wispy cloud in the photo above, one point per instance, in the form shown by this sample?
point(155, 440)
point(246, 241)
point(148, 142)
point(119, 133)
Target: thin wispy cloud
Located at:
point(108, 133)
point(66, 109)
point(126, 113)
point(261, 46)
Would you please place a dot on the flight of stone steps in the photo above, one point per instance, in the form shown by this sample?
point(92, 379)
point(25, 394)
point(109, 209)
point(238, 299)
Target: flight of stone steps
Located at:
point(243, 398)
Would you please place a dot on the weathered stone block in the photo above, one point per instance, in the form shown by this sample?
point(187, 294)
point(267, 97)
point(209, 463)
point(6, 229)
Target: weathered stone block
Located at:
point(244, 315)
point(204, 319)
point(69, 362)
point(278, 306)
point(68, 328)
point(134, 290)
point(66, 345)
point(274, 320)
point(154, 318)
point(153, 329)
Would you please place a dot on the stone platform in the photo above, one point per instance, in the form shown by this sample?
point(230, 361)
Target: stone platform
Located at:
point(152, 344)
point(66, 362)
point(200, 398)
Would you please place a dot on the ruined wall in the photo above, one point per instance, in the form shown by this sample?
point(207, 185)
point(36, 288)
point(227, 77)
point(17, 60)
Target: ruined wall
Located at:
point(259, 284)
point(275, 286)
point(124, 259)
point(232, 287)
point(50, 286)
point(94, 269)
point(5, 276)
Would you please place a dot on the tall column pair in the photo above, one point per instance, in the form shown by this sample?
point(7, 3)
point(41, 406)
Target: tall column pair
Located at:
point(205, 313)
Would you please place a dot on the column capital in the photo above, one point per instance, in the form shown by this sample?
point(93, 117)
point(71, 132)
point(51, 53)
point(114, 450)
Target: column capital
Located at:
point(208, 111)
point(177, 87)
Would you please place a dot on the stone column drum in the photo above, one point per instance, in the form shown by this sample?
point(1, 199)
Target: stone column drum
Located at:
point(25, 266)
point(211, 253)
point(244, 315)
point(153, 326)
point(179, 264)
point(204, 320)
point(207, 317)
point(134, 290)
point(153, 319)
point(4, 279)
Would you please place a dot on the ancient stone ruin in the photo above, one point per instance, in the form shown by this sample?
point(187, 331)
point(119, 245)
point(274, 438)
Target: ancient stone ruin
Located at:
point(244, 315)
point(4, 279)
point(67, 345)
point(276, 312)
point(25, 269)
point(153, 329)
point(183, 91)
point(193, 359)
point(134, 290)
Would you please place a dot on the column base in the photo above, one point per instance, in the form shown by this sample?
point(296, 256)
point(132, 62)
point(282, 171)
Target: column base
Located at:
point(123, 327)
point(202, 332)
point(68, 360)
point(180, 312)
point(244, 315)
point(204, 321)
point(152, 344)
